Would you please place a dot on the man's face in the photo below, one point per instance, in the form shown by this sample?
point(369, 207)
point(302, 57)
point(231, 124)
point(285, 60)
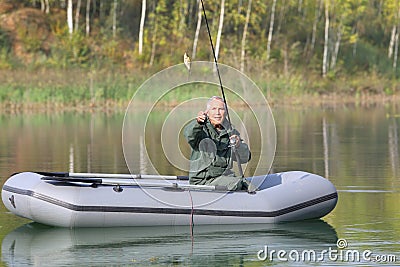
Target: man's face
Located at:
point(216, 112)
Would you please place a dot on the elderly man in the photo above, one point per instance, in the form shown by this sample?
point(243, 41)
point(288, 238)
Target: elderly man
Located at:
point(211, 157)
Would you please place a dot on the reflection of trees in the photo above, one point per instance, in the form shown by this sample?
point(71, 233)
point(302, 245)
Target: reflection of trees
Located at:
point(56, 142)
point(393, 143)
point(326, 147)
point(71, 158)
point(351, 143)
point(357, 148)
point(143, 157)
point(334, 143)
point(330, 144)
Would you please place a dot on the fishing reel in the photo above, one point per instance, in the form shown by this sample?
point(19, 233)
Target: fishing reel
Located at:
point(233, 141)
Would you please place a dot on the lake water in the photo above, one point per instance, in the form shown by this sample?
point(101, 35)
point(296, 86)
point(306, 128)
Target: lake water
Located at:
point(356, 148)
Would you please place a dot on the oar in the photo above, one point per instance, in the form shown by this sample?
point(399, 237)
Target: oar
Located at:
point(119, 182)
point(112, 175)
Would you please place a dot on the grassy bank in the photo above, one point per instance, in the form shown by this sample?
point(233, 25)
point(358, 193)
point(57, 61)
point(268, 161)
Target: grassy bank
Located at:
point(58, 90)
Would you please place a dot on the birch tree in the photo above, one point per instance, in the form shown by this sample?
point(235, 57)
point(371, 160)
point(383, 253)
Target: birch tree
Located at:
point(198, 26)
point(243, 49)
point(87, 17)
point(69, 17)
point(339, 32)
point(220, 26)
point(47, 10)
point(281, 16)
point(271, 29)
point(317, 15)
point(45, 6)
point(392, 9)
point(77, 14)
point(391, 13)
point(114, 23)
point(326, 40)
point(42, 5)
point(345, 24)
point(392, 40)
point(141, 27)
point(300, 6)
point(396, 49)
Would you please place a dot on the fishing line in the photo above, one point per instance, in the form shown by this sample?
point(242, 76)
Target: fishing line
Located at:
point(191, 218)
point(222, 91)
point(216, 65)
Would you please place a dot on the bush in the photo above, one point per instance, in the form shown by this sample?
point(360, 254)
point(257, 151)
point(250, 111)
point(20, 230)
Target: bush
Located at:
point(5, 42)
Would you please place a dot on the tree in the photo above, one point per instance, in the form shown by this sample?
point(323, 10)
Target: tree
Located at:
point(317, 15)
point(392, 10)
point(246, 25)
point(220, 26)
point(196, 35)
point(77, 14)
point(141, 28)
point(179, 14)
point(45, 6)
point(87, 17)
point(114, 23)
point(271, 29)
point(326, 40)
point(159, 27)
point(69, 17)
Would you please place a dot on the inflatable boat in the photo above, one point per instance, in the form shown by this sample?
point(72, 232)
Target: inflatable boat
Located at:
point(115, 200)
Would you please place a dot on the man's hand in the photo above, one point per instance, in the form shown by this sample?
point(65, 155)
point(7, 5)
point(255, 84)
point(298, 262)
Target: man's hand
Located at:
point(201, 117)
point(234, 140)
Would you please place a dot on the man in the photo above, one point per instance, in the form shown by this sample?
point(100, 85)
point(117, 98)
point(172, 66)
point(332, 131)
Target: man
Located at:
point(211, 157)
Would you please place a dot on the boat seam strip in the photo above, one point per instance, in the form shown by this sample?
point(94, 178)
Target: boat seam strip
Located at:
point(235, 213)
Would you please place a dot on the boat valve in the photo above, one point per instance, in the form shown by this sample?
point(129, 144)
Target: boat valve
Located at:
point(118, 188)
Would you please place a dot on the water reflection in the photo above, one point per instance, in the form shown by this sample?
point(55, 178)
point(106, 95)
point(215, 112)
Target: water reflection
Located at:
point(81, 142)
point(357, 148)
point(393, 140)
point(328, 142)
point(37, 245)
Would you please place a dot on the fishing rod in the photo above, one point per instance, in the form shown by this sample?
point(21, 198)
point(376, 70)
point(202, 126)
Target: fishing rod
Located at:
point(216, 66)
point(222, 91)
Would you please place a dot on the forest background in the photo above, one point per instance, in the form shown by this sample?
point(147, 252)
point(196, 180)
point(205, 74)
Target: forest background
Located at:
point(96, 53)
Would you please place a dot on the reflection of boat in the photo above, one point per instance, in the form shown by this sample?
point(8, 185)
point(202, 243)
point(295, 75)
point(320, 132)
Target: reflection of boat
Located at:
point(38, 245)
point(76, 202)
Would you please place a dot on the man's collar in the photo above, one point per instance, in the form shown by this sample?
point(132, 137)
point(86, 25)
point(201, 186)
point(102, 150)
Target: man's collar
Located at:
point(219, 130)
point(219, 127)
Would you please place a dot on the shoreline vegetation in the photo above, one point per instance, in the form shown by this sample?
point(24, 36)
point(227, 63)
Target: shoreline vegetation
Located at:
point(76, 90)
point(94, 56)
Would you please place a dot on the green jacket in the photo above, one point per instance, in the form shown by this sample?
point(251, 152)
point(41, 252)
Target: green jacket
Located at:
point(211, 154)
